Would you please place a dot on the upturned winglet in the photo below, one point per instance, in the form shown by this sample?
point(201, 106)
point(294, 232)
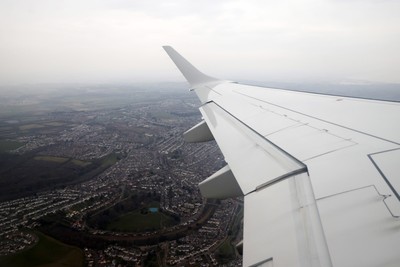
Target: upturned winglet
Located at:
point(192, 75)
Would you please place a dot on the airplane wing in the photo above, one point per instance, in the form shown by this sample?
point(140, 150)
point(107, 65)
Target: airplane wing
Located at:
point(319, 174)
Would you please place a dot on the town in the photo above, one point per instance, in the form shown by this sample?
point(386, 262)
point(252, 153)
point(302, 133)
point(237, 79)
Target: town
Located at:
point(115, 153)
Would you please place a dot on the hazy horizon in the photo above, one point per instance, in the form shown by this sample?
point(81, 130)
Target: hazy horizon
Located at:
point(99, 41)
point(378, 91)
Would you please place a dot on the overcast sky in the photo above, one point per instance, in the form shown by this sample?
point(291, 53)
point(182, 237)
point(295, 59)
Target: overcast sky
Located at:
point(104, 41)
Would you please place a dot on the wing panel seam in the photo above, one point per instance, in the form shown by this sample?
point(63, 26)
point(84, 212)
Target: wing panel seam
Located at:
point(261, 136)
point(329, 122)
point(381, 172)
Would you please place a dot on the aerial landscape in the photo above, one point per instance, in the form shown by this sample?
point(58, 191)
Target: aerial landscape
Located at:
point(102, 176)
point(199, 133)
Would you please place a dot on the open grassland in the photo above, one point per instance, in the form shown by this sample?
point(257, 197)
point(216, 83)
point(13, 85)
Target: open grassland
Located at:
point(80, 162)
point(226, 251)
point(52, 159)
point(109, 160)
point(30, 126)
point(77, 162)
point(48, 252)
point(9, 145)
point(54, 123)
point(226, 248)
point(136, 222)
point(237, 223)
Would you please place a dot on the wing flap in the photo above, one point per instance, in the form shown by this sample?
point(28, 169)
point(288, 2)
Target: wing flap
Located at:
point(282, 222)
point(253, 160)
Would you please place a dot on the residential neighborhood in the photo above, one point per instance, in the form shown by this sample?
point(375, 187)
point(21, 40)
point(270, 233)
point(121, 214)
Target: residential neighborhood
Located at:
point(114, 153)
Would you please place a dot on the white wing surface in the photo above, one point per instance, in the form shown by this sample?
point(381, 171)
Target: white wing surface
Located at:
point(319, 174)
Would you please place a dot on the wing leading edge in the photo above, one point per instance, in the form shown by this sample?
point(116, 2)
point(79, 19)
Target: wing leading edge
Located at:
point(319, 180)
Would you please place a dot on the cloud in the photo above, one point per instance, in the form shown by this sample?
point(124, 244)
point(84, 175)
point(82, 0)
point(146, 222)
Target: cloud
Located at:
point(111, 41)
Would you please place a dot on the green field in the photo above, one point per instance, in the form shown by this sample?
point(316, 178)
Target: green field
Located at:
point(47, 252)
point(225, 252)
point(9, 145)
point(137, 222)
point(109, 160)
point(80, 162)
point(54, 123)
point(30, 126)
point(52, 159)
point(226, 247)
point(237, 223)
point(106, 162)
